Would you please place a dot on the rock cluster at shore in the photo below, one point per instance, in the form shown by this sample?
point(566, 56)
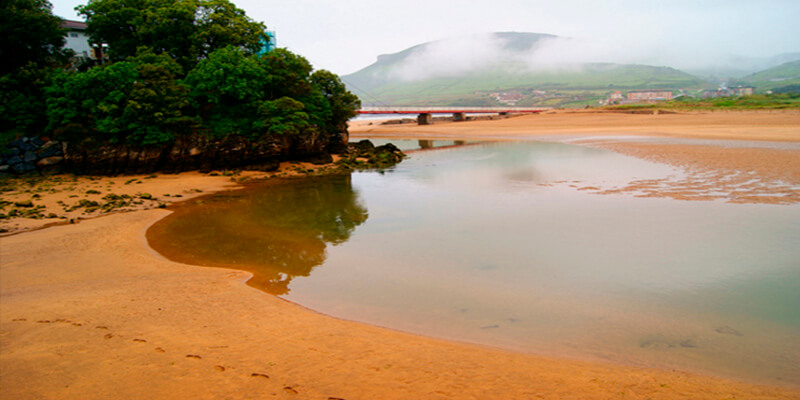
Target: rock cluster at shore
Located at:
point(29, 154)
point(188, 153)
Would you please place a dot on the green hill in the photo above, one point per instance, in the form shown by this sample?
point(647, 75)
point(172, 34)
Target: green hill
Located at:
point(773, 78)
point(419, 75)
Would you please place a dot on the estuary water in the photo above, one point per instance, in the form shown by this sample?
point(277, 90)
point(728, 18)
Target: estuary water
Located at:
point(498, 244)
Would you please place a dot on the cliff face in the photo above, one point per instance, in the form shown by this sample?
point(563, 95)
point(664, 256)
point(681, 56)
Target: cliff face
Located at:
point(191, 152)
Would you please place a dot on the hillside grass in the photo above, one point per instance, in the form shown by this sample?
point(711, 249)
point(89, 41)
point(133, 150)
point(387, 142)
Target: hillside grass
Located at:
point(754, 102)
point(594, 80)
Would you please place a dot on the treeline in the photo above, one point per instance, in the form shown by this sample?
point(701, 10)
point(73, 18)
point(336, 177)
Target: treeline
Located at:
point(174, 68)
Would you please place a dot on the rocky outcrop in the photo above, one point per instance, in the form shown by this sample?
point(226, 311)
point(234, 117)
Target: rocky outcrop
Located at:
point(29, 154)
point(365, 155)
point(191, 152)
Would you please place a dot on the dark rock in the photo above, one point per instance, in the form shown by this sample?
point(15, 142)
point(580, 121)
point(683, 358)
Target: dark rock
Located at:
point(10, 152)
point(44, 162)
point(30, 156)
point(38, 142)
point(28, 146)
point(364, 145)
point(387, 147)
point(5, 168)
point(23, 167)
point(15, 160)
point(50, 149)
point(19, 142)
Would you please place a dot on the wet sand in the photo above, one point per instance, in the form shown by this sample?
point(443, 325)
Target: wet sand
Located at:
point(758, 160)
point(89, 311)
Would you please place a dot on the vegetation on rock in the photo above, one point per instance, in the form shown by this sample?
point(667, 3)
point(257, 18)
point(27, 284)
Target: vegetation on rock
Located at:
point(185, 79)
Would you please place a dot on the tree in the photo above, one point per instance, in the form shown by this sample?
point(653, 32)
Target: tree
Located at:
point(186, 30)
point(31, 41)
point(343, 104)
point(29, 33)
point(129, 102)
point(226, 88)
point(288, 74)
point(253, 96)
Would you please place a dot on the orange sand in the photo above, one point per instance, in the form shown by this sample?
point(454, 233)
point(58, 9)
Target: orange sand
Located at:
point(88, 311)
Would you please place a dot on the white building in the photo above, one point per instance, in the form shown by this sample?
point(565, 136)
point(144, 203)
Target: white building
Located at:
point(78, 41)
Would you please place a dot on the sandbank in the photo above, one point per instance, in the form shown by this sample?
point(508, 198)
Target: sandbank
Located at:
point(89, 311)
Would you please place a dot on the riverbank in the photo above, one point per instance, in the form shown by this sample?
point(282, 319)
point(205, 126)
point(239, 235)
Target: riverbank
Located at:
point(89, 311)
point(739, 157)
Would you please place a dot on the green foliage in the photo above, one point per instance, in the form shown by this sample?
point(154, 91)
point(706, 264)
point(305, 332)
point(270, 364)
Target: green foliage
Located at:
point(754, 102)
point(176, 67)
point(29, 33)
point(22, 102)
point(124, 102)
point(186, 30)
point(284, 116)
point(287, 74)
point(343, 104)
point(273, 94)
point(227, 89)
point(31, 38)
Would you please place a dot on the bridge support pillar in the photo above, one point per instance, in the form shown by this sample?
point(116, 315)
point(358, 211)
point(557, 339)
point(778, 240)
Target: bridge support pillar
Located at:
point(459, 116)
point(424, 119)
point(425, 144)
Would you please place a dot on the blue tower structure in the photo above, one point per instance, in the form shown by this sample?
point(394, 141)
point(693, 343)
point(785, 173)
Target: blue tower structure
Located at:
point(268, 44)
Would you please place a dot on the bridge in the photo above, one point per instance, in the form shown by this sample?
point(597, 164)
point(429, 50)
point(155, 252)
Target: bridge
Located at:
point(425, 114)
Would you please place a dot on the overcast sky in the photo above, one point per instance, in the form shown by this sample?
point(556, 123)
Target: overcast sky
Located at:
point(346, 35)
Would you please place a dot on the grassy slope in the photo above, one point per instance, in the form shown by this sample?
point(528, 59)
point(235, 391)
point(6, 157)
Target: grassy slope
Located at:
point(597, 79)
point(782, 75)
point(755, 102)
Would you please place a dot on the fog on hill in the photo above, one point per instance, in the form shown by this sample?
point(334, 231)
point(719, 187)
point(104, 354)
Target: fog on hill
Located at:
point(522, 53)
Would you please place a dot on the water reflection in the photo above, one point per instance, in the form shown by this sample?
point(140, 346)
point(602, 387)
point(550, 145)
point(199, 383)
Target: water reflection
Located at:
point(480, 243)
point(277, 231)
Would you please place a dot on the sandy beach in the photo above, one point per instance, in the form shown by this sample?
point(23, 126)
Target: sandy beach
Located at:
point(89, 311)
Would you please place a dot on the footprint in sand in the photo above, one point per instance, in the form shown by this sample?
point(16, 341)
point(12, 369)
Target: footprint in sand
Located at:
point(219, 368)
point(140, 340)
point(256, 374)
point(19, 320)
point(290, 390)
point(193, 356)
point(727, 330)
point(160, 350)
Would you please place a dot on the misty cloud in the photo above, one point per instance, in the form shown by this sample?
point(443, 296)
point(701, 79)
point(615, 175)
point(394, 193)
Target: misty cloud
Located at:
point(476, 53)
point(458, 57)
point(449, 57)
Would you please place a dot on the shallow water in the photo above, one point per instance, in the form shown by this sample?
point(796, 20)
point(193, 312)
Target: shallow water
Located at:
point(495, 243)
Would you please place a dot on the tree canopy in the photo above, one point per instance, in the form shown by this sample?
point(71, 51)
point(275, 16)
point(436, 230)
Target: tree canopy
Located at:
point(176, 67)
point(31, 41)
point(187, 30)
point(29, 33)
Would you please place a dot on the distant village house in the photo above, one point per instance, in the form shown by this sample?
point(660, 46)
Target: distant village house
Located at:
point(649, 95)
